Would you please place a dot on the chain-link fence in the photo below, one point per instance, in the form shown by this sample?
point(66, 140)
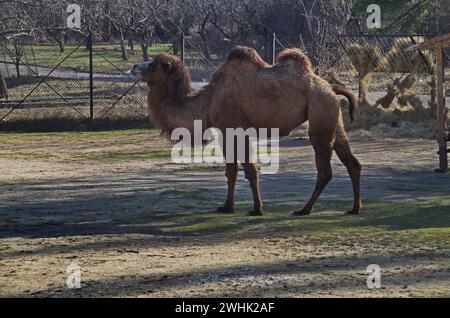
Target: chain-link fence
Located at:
point(387, 74)
point(204, 56)
point(84, 80)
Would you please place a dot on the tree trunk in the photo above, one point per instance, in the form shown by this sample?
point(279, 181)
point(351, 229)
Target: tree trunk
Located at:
point(205, 46)
point(3, 88)
point(19, 53)
point(433, 26)
point(268, 46)
point(175, 47)
point(61, 45)
point(17, 62)
point(123, 48)
point(144, 47)
point(131, 46)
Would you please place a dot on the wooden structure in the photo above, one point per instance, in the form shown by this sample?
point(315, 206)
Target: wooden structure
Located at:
point(439, 43)
point(386, 53)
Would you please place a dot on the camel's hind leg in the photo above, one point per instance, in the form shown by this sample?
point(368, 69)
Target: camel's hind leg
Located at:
point(323, 147)
point(252, 175)
point(231, 174)
point(232, 170)
point(342, 148)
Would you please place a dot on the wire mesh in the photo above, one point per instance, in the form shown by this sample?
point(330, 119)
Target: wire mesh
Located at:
point(46, 81)
point(389, 75)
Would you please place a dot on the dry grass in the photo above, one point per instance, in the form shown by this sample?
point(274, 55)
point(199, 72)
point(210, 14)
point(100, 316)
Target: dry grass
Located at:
point(375, 123)
point(410, 123)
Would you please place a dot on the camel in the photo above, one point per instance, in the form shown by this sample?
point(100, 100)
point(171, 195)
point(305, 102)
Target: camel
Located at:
point(246, 92)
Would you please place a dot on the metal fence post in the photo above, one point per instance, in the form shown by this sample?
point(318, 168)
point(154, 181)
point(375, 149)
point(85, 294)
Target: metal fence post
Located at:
point(91, 77)
point(182, 42)
point(274, 48)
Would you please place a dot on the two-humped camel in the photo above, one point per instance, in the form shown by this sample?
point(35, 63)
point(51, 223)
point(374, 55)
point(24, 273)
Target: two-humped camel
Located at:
point(245, 92)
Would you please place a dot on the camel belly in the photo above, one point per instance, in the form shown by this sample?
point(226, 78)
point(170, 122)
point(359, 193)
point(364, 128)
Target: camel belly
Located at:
point(286, 117)
point(282, 108)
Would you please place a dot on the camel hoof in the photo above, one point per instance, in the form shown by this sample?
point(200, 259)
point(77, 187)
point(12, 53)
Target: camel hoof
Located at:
point(225, 210)
point(353, 212)
point(256, 213)
point(302, 213)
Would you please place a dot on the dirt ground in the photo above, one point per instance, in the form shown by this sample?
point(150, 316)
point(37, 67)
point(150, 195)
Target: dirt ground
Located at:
point(138, 225)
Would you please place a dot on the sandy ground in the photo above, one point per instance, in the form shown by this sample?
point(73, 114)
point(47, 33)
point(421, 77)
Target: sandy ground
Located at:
point(146, 227)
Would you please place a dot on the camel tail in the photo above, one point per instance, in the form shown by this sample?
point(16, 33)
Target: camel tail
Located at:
point(339, 90)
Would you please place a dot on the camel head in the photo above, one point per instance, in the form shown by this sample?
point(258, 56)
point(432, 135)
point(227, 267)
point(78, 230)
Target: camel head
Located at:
point(165, 74)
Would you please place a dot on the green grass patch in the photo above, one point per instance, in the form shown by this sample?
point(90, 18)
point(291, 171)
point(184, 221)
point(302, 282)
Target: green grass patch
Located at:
point(48, 55)
point(14, 138)
point(52, 143)
point(111, 156)
point(403, 223)
point(28, 155)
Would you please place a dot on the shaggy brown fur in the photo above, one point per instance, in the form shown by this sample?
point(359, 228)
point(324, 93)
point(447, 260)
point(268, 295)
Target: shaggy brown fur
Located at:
point(247, 93)
point(303, 64)
point(243, 58)
point(297, 55)
point(246, 54)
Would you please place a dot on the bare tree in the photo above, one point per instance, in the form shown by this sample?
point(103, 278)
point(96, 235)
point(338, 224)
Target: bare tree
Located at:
point(201, 13)
point(13, 20)
point(50, 19)
point(136, 19)
point(119, 22)
point(322, 20)
point(176, 20)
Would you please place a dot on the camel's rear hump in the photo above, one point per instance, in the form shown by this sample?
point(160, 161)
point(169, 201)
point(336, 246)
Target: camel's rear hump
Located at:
point(295, 57)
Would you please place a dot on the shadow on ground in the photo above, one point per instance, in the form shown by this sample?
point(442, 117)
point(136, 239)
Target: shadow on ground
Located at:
point(183, 204)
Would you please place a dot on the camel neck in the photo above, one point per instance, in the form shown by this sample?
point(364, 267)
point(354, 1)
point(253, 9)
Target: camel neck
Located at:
point(168, 116)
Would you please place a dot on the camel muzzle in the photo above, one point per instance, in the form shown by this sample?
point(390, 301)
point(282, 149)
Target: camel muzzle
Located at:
point(140, 68)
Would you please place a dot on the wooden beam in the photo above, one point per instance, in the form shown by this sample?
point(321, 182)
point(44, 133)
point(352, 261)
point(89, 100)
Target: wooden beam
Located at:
point(431, 44)
point(442, 39)
point(441, 109)
point(446, 44)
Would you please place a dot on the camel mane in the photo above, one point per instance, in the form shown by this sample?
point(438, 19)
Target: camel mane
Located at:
point(296, 55)
point(179, 83)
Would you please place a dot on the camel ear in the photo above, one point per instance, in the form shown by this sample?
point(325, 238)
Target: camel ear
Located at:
point(167, 66)
point(179, 84)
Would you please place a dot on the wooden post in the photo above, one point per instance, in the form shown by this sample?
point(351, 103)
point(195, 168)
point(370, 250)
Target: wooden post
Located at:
point(439, 43)
point(441, 110)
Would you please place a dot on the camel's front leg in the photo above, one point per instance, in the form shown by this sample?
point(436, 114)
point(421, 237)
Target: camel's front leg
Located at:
point(252, 175)
point(231, 173)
